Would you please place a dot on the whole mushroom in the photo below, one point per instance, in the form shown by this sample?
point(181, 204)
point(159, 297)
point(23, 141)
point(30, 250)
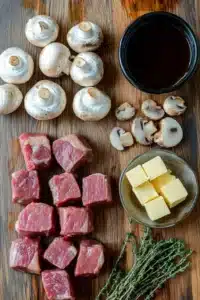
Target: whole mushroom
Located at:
point(85, 36)
point(91, 104)
point(170, 133)
point(120, 139)
point(174, 106)
point(54, 60)
point(143, 131)
point(41, 30)
point(16, 66)
point(87, 69)
point(125, 112)
point(152, 110)
point(46, 100)
point(10, 98)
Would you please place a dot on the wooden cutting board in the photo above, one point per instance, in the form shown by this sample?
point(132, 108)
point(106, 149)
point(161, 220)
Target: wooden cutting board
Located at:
point(113, 16)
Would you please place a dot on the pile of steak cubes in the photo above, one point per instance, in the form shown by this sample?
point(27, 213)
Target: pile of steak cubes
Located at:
point(38, 219)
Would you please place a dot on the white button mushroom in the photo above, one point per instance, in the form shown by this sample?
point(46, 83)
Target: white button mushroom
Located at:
point(125, 112)
point(85, 36)
point(170, 133)
point(54, 60)
point(41, 30)
point(46, 100)
point(10, 98)
point(87, 69)
point(91, 104)
point(143, 131)
point(174, 106)
point(16, 66)
point(151, 110)
point(120, 139)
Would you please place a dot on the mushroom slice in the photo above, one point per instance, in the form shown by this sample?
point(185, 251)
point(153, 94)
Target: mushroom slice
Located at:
point(174, 106)
point(46, 100)
point(120, 139)
point(152, 110)
point(10, 98)
point(54, 60)
point(87, 69)
point(91, 104)
point(41, 30)
point(125, 112)
point(143, 131)
point(85, 36)
point(170, 133)
point(16, 66)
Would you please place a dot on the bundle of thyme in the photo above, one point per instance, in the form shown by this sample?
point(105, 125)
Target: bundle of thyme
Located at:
point(155, 262)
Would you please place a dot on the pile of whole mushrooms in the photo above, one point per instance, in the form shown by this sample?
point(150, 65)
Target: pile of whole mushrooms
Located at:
point(167, 133)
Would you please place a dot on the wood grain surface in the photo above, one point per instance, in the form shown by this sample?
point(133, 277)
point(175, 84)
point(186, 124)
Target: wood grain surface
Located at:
point(111, 223)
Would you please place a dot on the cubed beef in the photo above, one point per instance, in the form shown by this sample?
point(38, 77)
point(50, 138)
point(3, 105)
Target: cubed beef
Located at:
point(24, 255)
point(90, 259)
point(36, 150)
point(57, 285)
point(36, 219)
point(96, 190)
point(71, 152)
point(25, 187)
point(75, 221)
point(60, 253)
point(64, 188)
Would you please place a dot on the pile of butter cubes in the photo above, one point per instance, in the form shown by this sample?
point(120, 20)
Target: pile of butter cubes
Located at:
point(156, 188)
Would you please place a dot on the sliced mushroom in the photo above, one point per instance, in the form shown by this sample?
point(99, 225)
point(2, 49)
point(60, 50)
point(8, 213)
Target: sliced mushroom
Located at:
point(120, 139)
point(174, 106)
point(54, 60)
point(91, 104)
point(87, 69)
point(41, 30)
point(85, 36)
point(10, 98)
point(170, 133)
point(143, 131)
point(16, 66)
point(125, 112)
point(46, 100)
point(152, 110)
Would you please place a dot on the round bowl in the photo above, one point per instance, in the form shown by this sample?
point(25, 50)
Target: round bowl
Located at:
point(180, 169)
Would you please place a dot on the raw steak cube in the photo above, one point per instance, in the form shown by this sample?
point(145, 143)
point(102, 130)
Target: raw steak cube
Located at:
point(75, 221)
point(36, 150)
point(24, 255)
point(25, 187)
point(96, 190)
point(60, 253)
point(64, 188)
point(57, 285)
point(36, 219)
point(90, 259)
point(71, 152)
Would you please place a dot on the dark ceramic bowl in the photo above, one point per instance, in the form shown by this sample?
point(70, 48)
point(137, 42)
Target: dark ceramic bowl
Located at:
point(177, 22)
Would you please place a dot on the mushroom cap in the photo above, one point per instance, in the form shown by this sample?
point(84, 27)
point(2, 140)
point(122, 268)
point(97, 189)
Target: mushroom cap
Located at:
point(170, 133)
point(85, 36)
point(16, 66)
point(143, 131)
point(151, 110)
point(174, 106)
point(10, 98)
point(54, 60)
point(115, 138)
point(91, 104)
point(125, 112)
point(46, 100)
point(41, 30)
point(87, 69)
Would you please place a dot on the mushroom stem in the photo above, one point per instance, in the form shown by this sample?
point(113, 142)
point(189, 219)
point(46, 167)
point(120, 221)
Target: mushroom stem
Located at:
point(85, 29)
point(91, 97)
point(82, 64)
point(43, 26)
point(44, 95)
point(14, 60)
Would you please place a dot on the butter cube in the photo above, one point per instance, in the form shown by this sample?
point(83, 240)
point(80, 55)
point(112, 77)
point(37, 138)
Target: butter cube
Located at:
point(174, 192)
point(154, 167)
point(162, 180)
point(136, 176)
point(157, 208)
point(145, 192)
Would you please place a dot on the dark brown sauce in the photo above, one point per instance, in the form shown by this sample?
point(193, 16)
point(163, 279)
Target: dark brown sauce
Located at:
point(158, 55)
